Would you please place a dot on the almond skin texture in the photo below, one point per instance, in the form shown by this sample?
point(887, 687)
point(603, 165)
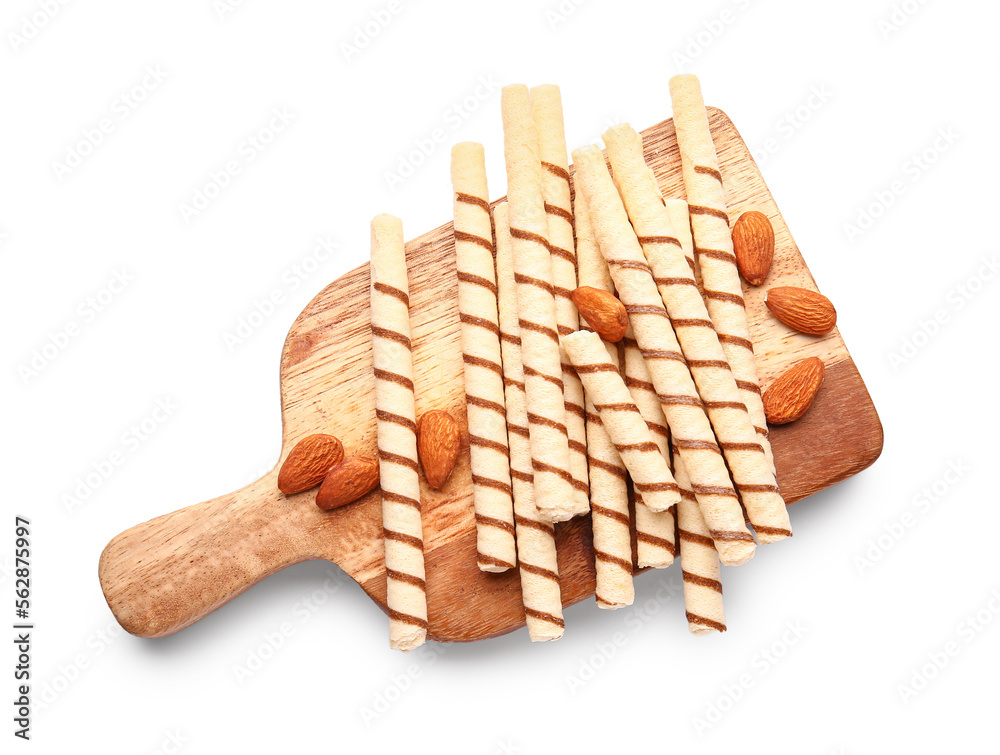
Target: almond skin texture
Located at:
point(307, 464)
point(753, 243)
point(438, 442)
point(604, 313)
point(791, 395)
point(347, 482)
point(804, 310)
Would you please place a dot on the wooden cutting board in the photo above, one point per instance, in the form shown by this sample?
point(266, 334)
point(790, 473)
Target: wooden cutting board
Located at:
point(163, 575)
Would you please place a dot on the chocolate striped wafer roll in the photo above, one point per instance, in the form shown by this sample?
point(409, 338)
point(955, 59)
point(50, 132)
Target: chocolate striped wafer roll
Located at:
point(713, 241)
point(547, 112)
point(654, 530)
point(536, 545)
point(484, 395)
point(649, 470)
point(592, 270)
point(680, 221)
point(609, 510)
point(699, 562)
point(406, 595)
point(536, 309)
point(751, 470)
point(674, 385)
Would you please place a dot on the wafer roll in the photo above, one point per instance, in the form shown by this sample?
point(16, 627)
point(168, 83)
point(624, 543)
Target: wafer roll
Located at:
point(536, 310)
point(751, 470)
point(609, 511)
point(654, 530)
point(699, 562)
point(546, 107)
point(484, 395)
point(621, 418)
point(680, 221)
point(592, 270)
point(713, 242)
point(675, 388)
point(397, 436)
point(536, 544)
point(608, 479)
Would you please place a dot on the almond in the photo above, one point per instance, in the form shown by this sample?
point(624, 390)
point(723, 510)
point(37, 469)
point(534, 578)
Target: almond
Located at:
point(753, 243)
point(438, 442)
point(804, 310)
point(793, 392)
point(347, 482)
point(309, 461)
point(604, 313)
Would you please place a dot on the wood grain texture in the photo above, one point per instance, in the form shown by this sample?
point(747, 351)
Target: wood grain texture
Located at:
point(161, 576)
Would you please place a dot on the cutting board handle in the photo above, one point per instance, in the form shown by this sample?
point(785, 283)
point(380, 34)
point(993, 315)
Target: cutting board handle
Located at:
point(160, 576)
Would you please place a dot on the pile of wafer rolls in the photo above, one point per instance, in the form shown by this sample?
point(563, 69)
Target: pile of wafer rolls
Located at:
point(661, 435)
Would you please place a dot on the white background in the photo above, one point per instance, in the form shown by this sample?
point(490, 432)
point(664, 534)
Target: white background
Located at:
point(894, 76)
